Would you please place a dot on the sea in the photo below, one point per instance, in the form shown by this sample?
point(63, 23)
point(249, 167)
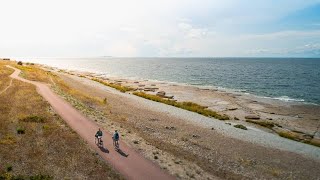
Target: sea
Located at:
point(284, 79)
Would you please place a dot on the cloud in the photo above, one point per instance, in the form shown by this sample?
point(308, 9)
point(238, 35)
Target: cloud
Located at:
point(148, 28)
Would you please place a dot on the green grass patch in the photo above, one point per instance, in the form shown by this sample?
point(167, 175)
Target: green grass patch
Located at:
point(240, 126)
point(190, 106)
point(21, 130)
point(33, 118)
point(113, 85)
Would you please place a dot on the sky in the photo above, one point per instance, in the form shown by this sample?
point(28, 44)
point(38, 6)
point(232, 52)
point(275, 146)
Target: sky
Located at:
point(161, 28)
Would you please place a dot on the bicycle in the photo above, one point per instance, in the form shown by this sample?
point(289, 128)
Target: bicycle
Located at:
point(98, 141)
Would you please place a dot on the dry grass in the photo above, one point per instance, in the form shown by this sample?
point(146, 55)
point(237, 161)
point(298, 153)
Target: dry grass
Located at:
point(113, 85)
point(61, 87)
point(190, 106)
point(4, 75)
point(266, 124)
point(48, 147)
point(298, 137)
point(34, 73)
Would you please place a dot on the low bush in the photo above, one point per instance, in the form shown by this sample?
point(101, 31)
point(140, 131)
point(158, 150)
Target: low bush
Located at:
point(19, 63)
point(9, 168)
point(190, 106)
point(21, 130)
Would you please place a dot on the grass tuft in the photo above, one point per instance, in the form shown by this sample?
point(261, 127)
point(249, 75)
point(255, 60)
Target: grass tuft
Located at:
point(8, 139)
point(266, 124)
point(190, 106)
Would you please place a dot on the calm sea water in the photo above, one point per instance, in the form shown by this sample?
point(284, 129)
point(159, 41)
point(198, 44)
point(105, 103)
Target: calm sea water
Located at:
point(287, 79)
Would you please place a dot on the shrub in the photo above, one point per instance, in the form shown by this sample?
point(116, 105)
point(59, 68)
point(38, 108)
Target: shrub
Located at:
point(19, 63)
point(9, 168)
point(190, 106)
point(46, 127)
point(21, 130)
point(240, 126)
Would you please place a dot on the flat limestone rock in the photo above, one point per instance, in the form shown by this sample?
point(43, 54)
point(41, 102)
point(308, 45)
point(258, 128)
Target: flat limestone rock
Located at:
point(252, 116)
point(232, 108)
point(161, 93)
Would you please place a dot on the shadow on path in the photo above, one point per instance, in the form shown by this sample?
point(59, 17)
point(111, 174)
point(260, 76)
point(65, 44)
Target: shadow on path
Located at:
point(121, 152)
point(103, 149)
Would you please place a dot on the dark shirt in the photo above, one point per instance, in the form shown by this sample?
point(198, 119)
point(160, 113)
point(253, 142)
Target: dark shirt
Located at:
point(99, 133)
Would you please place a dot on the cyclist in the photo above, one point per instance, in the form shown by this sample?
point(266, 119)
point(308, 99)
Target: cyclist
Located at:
point(115, 138)
point(99, 136)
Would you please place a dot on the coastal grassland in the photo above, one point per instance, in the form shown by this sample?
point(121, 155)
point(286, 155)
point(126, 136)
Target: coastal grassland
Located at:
point(113, 85)
point(4, 75)
point(61, 87)
point(36, 143)
point(190, 106)
point(34, 73)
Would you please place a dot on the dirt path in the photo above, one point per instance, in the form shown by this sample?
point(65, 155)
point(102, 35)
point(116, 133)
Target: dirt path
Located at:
point(7, 87)
point(127, 161)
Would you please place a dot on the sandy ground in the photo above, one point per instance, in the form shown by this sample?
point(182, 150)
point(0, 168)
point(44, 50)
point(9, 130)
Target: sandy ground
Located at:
point(191, 146)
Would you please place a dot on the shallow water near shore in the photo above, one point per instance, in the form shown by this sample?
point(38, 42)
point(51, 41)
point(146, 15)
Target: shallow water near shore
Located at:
point(285, 79)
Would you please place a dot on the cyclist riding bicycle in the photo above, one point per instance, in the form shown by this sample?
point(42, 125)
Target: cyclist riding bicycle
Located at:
point(99, 136)
point(115, 138)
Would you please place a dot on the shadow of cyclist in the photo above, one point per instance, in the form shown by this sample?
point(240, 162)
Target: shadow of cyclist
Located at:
point(103, 149)
point(122, 153)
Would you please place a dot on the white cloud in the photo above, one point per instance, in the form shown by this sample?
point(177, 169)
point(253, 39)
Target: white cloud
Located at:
point(143, 27)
